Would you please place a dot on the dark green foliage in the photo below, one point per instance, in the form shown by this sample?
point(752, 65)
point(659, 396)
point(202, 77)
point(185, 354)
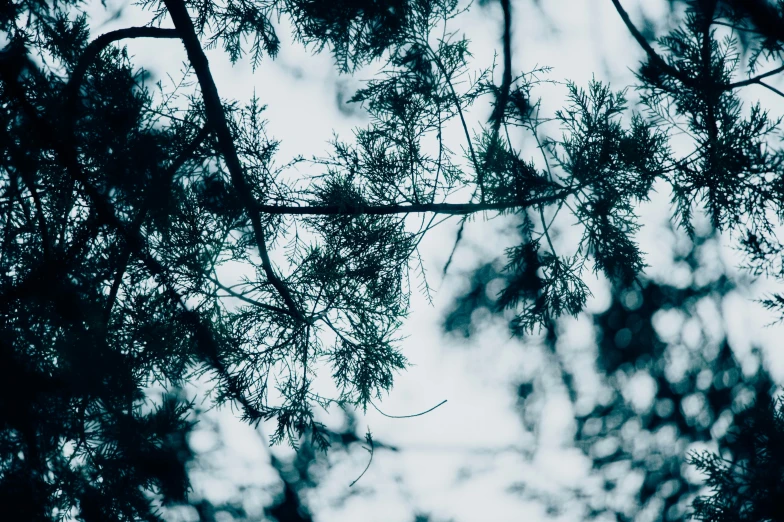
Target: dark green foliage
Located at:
point(750, 484)
point(124, 213)
point(357, 31)
point(618, 167)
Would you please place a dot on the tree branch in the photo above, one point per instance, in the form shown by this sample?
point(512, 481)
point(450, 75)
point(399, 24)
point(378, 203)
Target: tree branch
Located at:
point(243, 297)
point(95, 47)
point(756, 79)
point(455, 209)
point(770, 87)
point(652, 55)
point(217, 120)
point(71, 91)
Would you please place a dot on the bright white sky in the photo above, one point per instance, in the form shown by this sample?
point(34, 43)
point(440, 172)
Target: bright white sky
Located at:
point(461, 461)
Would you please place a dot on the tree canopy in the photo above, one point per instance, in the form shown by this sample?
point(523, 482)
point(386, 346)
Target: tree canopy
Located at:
point(123, 207)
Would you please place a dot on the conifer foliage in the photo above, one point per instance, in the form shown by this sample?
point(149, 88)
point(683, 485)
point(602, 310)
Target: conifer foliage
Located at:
point(122, 207)
point(748, 483)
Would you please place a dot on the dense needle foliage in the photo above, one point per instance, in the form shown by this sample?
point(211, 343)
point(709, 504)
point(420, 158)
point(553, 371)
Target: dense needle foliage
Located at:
point(122, 209)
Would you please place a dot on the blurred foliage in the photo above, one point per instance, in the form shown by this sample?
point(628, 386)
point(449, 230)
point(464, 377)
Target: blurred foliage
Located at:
point(671, 340)
point(730, 167)
point(698, 386)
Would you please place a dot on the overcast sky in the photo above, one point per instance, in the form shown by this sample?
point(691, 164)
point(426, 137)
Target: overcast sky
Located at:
point(464, 460)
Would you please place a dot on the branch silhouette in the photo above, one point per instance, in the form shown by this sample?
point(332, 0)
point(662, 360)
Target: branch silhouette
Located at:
point(217, 120)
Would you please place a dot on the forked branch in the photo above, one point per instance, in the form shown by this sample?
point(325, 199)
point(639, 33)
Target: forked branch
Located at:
point(216, 118)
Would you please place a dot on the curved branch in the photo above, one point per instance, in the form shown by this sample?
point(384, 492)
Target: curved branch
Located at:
point(217, 120)
point(369, 440)
point(71, 91)
point(652, 54)
point(95, 47)
point(408, 416)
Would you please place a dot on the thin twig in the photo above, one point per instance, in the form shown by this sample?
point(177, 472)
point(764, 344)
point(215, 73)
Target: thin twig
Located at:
point(770, 87)
point(369, 439)
point(407, 416)
point(756, 79)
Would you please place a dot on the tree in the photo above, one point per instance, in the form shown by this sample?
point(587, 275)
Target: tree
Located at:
point(120, 210)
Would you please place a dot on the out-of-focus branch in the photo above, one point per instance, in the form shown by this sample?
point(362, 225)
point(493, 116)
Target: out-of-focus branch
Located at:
point(506, 82)
point(763, 15)
point(653, 56)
